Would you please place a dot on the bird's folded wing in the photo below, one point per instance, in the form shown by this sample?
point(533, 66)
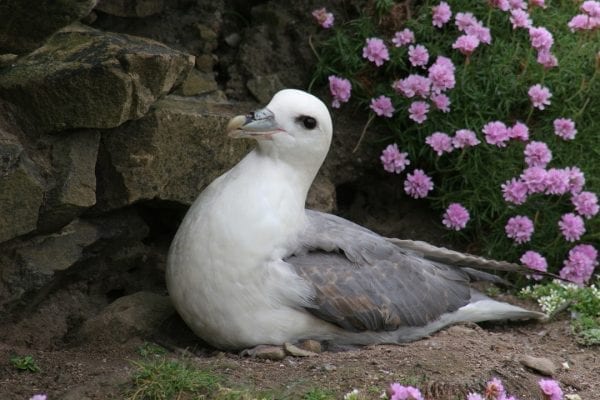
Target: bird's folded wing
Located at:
point(364, 282)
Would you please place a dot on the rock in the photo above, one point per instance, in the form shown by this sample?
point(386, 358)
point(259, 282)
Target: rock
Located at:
point(296, 351)
point(266, 352)
point(85, 78)
point(74, 162)
point(7, 59)
point(25, 28)
point(205, 63)
point(170, 154)
point(198, 83)
point(311, 345)
point(21, 188)
point(139, 314)
point(131, 8)
point(264, 87)
point(542, 365)
point(321, 196)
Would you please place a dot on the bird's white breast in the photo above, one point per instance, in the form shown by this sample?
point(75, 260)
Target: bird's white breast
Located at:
point(225, 274)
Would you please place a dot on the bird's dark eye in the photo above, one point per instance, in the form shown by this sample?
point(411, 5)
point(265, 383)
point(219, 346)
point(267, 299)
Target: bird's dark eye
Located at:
point(308, 122)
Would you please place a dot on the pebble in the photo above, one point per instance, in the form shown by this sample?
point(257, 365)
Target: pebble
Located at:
point(541, 364)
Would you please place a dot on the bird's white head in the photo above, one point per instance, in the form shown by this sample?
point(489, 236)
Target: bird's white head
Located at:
point(294, 127)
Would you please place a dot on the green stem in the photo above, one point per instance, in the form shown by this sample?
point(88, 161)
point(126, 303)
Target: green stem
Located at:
point(364, 131)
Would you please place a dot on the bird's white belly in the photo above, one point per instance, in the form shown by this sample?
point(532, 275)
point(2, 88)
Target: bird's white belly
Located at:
point(225, 286)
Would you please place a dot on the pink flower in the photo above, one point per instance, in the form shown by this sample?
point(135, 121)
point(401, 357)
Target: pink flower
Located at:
point(520, 19)
point(591, 8)
point(586, 204)
point(576, 179)
point(456, 217)
point(340, 89)
point(547, 59)
point(474, 396)
point(519, 228)
point(517, 4)
point(541, 38)
point(441, 14)
point(382, 106)
point(403, 37)
point(441, 102)
point(464, 138)
point(540, 96)
point(537, 154)
point(439, 142)
point(580, 22)
point(514, 191)
point(39, 397)
point(571, 226)
point(519, 131)
point(551, 389)
point(537, 3)
point(399, 392)
point(418, 184)
point(494, 389)
point(375, 51)
point(496, 133)
point(480, 32)
point(579, 266)
point(466, 44)
point(413, 85)
point(557, 181)
point(534, 260)
point(393, 161)
point(565, 128)
point(535, 179)
point(441, 74)
point(418, 55)
point(500, 4)
point(464, 20)
point(323, 18)
point(418, 111)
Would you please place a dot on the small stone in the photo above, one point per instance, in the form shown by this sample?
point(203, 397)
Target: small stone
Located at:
point(543, 365)
point(572, 396)
point(296, 351)
point(233, 40)
point(311, 345)
point(264, 87)
point(198, 83)
point(266, 352)
point(565, 365)
point(328, 367)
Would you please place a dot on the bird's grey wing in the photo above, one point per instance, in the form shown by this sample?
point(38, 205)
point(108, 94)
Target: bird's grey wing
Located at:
point(364, 282)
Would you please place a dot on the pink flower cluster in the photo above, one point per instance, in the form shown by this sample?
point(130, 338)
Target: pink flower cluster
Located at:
point(535, 261)
point(403, 38)
point(474, 33)
point(442, 143)
point(589, 19)
point(580, 264)
point(324, 18)
point(571, 226)
point(393, 160)
point(519, 228)
point(440, 78)
point(441, 14)
point(496, 133)
point(539, 96)
point(456, 217)
point(554, 181)
point(565, 128)
point(397, 391)
point(418, 184)
point(418, 55)
point(340, 89)
point(550, 389)
point(537, 154)
point(542, 40)
point(376, 51)
point(383, 106)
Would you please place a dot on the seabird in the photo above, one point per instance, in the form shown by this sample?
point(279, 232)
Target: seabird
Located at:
point(250, 266)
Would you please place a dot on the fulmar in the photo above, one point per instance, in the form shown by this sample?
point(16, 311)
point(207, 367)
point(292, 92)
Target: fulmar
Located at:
point(250, 266)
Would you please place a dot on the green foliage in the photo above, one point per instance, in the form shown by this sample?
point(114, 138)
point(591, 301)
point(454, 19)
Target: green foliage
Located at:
point(583, 302)
point(24, 363)
point(318, 394)
point(151, 349)
point(165, 379)
point(491, 85)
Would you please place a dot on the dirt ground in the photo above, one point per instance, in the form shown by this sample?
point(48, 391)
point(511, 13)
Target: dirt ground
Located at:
point(446, 365)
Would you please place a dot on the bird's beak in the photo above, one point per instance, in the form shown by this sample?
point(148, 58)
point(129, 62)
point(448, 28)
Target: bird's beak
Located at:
point(258, 124)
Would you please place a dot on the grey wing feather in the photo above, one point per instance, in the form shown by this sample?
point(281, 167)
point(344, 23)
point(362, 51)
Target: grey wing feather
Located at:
point(364, 282)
